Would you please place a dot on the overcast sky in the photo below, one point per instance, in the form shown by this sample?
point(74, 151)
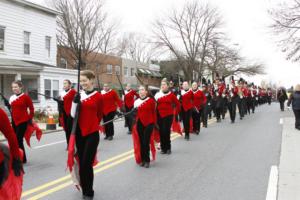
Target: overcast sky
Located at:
point(246, 24)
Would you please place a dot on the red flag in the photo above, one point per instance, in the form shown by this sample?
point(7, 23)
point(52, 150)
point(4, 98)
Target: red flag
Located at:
point(32, 128)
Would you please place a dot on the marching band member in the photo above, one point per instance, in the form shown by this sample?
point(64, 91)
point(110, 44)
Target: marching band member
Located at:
point(129, 97)
point(142, 133)
point(87, 131)
point(186, 96)
point(111, 102)
point(166, 101)
point(11, 169)
point(20, 103)
point(233, 100)
point(199, 104)
point(65, 103)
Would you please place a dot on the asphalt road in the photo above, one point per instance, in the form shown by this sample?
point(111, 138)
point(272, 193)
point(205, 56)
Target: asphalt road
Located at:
point(225, 162)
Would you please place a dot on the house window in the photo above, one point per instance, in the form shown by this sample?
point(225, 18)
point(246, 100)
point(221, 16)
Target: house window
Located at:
point(48, 45)
point(131, 71)
point(47, 88)
point(55, 86)
point(26, 43)
point(2, 38)
point(125, 71)
point(118, 70)
point(109, 69)
point(63, 63)
point(31, 85)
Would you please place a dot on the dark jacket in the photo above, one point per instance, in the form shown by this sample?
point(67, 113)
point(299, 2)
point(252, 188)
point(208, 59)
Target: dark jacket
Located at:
point(295, 100)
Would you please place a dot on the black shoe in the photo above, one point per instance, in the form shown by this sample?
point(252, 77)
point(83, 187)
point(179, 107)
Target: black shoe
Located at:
point(147, 165)
point(197, 132)
point(187, 137)
point(232, 121)
point(110, 138)
point(163, 152)
point(241, 118)
point(205, 126)
point(129, 132)
point(169, 151)
point(106, 137)
point(142, 164)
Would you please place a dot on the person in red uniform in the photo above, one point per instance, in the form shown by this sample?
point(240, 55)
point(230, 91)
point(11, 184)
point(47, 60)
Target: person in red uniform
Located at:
point(269, 96)
point(11, 169)
point(87, 132)
point(111, 102)
point(128, 98)
point(166, 101)
point(145, 121)
point(20, 103)
point(186, 97)
point(64, 104)
point(199, 104)
point(219, 92)
point(233, 100)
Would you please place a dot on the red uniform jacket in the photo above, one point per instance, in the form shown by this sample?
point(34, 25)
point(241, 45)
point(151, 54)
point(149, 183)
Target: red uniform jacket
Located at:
point(68, 97)
point(19, 108)
point(221, 88)
point(199, 99)
point(187, 99)
point(145, 111)
point(129, 98)
point(166, 103)
point(7, 130)
point(111, 101)
point(245, 92)
point(254, 92)
point(90, 113)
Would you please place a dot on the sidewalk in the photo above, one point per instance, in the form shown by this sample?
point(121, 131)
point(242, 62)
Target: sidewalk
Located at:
point(43, 127)
point(289, 167)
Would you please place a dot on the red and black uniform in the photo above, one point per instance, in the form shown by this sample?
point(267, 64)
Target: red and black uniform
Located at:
point(233, 101)
point(269, 96)
point(11, 174)
point(166, 101)
point(20, 104)
point(199, 104)
point(129, 97)
point(219, 107)
point(186, 97)
point(244, 99)
point(143, 129)
point(66, 98)
point(87, 136)
point(111, 102)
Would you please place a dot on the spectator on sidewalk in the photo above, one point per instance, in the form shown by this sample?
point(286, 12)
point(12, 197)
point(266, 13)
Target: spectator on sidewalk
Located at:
point(295, 101)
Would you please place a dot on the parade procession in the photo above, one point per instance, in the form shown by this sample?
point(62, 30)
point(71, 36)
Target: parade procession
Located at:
point(94, 104)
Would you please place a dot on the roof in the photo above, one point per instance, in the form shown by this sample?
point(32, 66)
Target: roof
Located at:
point(18, 63)
point(149, 72)
point(36, 6)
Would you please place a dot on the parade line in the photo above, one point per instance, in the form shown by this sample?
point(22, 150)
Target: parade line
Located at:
point(67, 180)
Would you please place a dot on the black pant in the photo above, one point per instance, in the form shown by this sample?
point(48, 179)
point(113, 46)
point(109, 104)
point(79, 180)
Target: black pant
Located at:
point(297, 118)
point(86, 149)
point(219, 107)
point(186, 116)
point(109, 128)
point(225, 105)
point(144, 135)
point(281, 105)
point(196, 120)
point(165, 124)
point(128, 118)
point(68, 122)
point(20, 132)
point(204, 113)
point(232, 108)
point(241, 107)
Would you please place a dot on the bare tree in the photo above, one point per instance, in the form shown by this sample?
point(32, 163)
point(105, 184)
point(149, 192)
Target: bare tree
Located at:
point(226, 61)
point(138, 47)
point(287, 25)
point(85, 23)
point(186, 34)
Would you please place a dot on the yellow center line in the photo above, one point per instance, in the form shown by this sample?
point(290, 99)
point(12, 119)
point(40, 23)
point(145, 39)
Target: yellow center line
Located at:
point(113, 161)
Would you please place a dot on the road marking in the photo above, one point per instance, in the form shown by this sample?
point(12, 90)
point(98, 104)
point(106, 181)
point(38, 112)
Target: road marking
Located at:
point(281, 121)
point(66, 178)
point(96, 171)
point(50, 144)
point(272, 185)
point(44, 186)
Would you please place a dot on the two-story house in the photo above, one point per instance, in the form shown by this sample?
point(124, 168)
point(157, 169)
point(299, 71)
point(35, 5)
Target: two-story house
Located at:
point(28, 51)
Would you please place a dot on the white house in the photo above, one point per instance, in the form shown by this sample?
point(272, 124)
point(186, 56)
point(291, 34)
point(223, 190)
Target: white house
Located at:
point(28, 50)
